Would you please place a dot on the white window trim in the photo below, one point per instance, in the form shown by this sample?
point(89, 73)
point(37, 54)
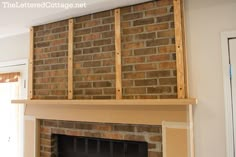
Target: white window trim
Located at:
point(225, 36)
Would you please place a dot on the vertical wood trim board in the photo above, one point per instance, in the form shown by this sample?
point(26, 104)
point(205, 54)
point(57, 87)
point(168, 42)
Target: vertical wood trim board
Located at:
point(30, 65)
point(179, 49)
point(190, 107)
point(184, 51)
point(191, 131)
point(118, 54)
point(29, 137)
point(164, 139)
point(37, 138)
point(70, 58)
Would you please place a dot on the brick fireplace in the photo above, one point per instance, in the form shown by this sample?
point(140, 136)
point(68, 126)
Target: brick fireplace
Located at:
point(128, 132)
point(118, 74)
point(148, 57)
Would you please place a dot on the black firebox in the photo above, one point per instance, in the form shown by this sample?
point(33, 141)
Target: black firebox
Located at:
point(71, 146)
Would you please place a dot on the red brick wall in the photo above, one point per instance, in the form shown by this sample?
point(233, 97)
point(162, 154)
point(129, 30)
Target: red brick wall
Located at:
point(148, 133)
point(94, 71)
point(9, 77)
point(148, 50)
point(50, 61)
point(148, 55)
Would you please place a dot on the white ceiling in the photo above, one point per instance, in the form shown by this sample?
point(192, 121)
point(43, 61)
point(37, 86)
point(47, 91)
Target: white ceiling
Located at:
point(16, 21)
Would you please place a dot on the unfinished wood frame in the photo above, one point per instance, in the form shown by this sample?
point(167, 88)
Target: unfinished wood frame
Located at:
point(155, 111)
point(182, 87)
point(30, 65)
point(179, 42)
point(70, 58)
point(118, 54)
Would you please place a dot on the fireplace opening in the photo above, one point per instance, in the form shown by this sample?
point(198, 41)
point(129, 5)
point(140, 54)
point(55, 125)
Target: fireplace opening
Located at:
point(73, 146)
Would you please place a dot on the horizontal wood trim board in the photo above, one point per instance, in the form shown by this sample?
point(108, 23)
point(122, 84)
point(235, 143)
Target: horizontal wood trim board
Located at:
point(113, 114)
point(121, 102)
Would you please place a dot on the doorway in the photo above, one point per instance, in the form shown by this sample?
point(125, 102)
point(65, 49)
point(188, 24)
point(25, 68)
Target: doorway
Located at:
point(228, 40)
point(9, 119)
point(12, 86)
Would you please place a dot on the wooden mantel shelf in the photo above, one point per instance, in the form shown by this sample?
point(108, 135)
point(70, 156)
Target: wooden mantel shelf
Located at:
point(121, 102)
point(138, 111)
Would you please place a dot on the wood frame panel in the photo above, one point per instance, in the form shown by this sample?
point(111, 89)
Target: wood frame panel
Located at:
point(155, 111)
point(182, 87)
point(179, 49)
point(70, 58)
point(30, 65)
point(118, 54)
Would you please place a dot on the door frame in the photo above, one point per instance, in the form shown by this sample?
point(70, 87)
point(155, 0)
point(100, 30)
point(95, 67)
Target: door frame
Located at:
point(225, 37)
point(22, 67)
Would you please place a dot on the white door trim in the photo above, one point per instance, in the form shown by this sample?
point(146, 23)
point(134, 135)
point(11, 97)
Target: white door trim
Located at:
point(22, 67)
point(13, 63)
point(225, 36)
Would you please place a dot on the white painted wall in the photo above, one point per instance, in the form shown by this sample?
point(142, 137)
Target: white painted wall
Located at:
point(14, 47)
point(205, 19)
